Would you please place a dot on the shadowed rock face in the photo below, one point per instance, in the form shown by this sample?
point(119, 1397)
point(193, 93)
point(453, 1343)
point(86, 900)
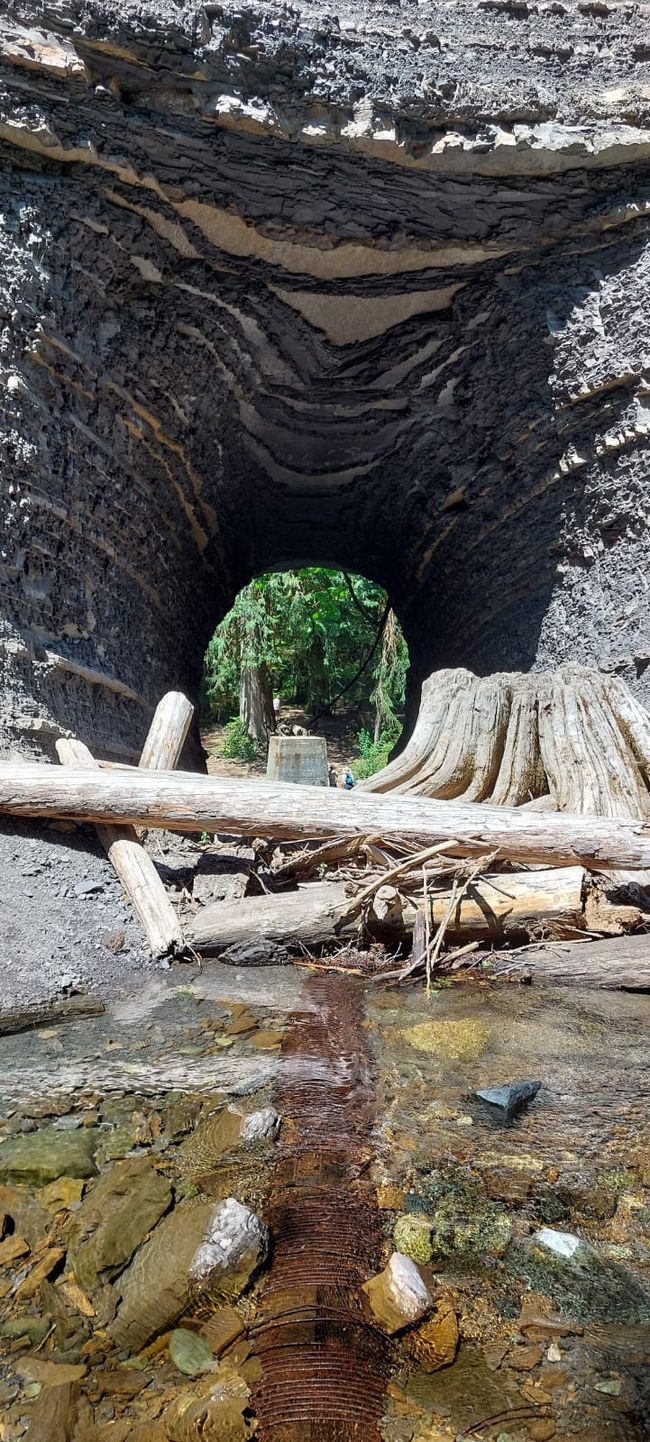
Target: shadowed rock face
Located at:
point(279, 288)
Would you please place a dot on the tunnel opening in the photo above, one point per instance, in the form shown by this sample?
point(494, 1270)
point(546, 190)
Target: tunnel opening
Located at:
point(313, 649)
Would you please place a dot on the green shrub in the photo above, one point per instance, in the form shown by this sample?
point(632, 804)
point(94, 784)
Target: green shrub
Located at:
point(237, 745)
point(373, 754)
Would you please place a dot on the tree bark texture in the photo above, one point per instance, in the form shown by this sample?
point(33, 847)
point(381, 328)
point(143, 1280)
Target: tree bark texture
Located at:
point(495, 906)
point(572, 740)
point(256, 703)
point(183, 801)
point(613, 965)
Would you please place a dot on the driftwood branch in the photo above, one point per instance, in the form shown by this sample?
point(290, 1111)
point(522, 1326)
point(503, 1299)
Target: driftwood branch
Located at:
point(136, 870)
point(183, 801)
point(134, 867)
point(167, 733)
point(72, 1008)
point(620, 965)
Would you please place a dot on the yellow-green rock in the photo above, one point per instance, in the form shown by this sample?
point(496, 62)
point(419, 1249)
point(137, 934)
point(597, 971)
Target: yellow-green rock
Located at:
point(449, 1040)
point(412, 1236)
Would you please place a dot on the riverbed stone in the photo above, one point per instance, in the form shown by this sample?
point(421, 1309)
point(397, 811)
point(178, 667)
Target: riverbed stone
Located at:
point(114, 1219)
point(196, 1253)
point(510, 1099)
point(234, 1246)
point(412, 1237)
point(36, 1158)
point(584, 1284)
point(399, 1295)
point(471, 1228)
point(190, 1353)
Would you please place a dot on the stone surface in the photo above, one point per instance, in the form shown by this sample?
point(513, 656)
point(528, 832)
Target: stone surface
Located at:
point(298, 759)
point(234, 1246)
point(37, 1158)
point(190, 1353)
point(114, 1219)
point(412, 1237)
point(280, 148)
point(399, 1295)
point(511, 1098)
point(434, 1344)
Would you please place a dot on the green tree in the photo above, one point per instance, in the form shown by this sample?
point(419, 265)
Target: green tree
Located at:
point(303, 634)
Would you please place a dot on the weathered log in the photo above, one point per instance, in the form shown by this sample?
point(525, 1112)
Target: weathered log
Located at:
point(133, 865)
point(306, 917)
point(522, 903)
point(614, 965)
point(183, 801)
point(49, 1013)
point(167, 733)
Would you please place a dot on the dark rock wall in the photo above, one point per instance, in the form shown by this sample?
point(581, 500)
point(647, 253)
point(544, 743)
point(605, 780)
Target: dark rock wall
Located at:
point(277, 288)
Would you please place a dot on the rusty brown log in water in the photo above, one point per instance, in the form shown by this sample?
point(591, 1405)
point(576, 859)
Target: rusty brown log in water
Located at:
point(325, 1366)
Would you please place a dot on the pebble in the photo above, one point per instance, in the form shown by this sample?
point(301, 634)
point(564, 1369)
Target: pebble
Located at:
point(190, 1353)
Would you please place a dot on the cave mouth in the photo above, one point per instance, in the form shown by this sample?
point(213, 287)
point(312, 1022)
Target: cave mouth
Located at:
point(313, 648)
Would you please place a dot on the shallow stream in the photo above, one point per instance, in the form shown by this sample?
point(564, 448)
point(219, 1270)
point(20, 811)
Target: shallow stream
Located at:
point(122, 1134)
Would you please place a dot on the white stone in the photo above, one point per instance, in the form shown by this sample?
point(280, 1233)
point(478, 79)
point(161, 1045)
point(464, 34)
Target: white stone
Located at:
point(563, 1244)
point(260, 1126)
point(406, 1288)
point(235, 1238)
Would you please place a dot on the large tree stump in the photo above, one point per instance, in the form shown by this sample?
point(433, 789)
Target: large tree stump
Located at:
point(572, 740)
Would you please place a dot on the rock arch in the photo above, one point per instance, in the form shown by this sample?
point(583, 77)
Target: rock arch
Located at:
point(280, 288)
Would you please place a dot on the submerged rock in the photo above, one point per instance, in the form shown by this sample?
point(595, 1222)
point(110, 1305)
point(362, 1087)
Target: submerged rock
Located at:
point(190, 1353)
point(222, 1415)
point(584, 1284)
point(450, 1040)
point(435, 1343)
point(197, 1249)
point(509, 1099)
point(470, 1228)
point(114, 1219)
point(412, 1237)
point(399, 1295)
point(220, 1134)
point(234, 1246)
point(37, 1158)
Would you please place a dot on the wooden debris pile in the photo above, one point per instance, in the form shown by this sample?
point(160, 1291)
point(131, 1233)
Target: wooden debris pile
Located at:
point(316, 869)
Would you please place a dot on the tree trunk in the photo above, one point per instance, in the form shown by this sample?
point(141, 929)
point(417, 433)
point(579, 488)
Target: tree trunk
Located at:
point(622, 965)
point(256, 703)
point(184, 801)
point(167, 733)
point(573, 736)
point(518, 904)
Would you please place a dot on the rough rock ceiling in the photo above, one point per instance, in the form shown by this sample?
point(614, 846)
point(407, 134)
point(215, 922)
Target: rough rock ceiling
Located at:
point(279, 287)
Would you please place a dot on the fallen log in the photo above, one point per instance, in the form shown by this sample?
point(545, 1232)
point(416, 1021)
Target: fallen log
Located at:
point(133, 865)
point(167, 733)
point(614, 965)
point(49, 1013)
point(522, 903)
point(183, 801)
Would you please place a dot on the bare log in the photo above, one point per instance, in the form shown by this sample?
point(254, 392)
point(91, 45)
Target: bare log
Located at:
point(184, 801)
point(133, 865)
point(49, 1013)
point(307, 917)
point(167, 733)
point(614, 965)
point(494, 907)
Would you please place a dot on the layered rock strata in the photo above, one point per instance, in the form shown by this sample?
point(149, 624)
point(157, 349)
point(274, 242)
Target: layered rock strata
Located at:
point(279, 287)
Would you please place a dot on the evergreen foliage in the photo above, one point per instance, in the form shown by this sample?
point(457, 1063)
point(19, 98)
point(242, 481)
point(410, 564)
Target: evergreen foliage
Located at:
point(312, 629)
